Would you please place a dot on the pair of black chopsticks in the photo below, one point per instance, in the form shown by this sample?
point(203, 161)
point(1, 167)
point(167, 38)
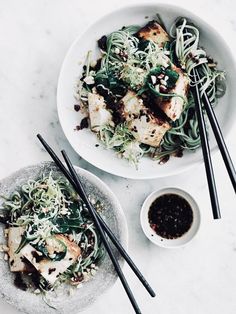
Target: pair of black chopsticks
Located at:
point(203, 102)
point(101, 226)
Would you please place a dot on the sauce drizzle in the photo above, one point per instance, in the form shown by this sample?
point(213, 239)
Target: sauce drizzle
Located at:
point(170, 216)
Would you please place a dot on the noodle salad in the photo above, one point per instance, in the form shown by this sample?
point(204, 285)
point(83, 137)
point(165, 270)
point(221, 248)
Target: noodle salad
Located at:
point(137, 94)
point(51, 236)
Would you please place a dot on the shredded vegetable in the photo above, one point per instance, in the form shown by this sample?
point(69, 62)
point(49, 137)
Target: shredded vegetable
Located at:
point(49, 206)
point(129, 62)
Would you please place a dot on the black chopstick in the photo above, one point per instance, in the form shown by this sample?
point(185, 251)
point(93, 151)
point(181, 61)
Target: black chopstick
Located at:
point(79, 188)
point(206, 150)
point(113, 238)
point(218, 136)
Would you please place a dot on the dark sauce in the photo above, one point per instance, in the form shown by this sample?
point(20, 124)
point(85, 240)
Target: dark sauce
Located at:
point(51, 270)
point(170, 216)
point(102, 43)
point(38, 258)
point(77, 107)
point(35, 277)
point(19, 282)
point(84, 123)
point(4, 220)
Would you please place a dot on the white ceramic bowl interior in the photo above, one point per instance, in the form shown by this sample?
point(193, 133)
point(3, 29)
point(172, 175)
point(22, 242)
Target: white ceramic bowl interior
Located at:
point(151, 234)
point(84, 141)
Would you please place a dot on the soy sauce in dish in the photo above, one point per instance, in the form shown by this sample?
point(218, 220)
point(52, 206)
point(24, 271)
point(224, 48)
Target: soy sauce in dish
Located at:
point(170, 216)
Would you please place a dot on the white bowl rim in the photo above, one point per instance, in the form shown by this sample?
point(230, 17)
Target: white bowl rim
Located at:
point(170, 243)
point(90, 26)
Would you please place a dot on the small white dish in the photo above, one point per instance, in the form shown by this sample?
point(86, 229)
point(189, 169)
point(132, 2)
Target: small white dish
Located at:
point(163, 242)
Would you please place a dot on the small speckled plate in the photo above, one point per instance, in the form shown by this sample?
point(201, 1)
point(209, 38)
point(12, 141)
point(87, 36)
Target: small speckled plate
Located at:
point(106, 276)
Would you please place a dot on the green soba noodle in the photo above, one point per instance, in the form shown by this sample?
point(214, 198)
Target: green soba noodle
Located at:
point(132, 66)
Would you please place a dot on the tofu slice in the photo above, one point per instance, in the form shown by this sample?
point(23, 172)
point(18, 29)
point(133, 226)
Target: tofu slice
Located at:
point(145, 127)
point(149, 130)
point(131, 105)
point(98, 113)
point(50, 269)
point(16, 260)
point(174, 106)
point(153, 31)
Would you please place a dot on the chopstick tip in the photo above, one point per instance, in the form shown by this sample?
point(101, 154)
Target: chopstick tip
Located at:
point(153, 294)
point(64, 154)
point(39, 136)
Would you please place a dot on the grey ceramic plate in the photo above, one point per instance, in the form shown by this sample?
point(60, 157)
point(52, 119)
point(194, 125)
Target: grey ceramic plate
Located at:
point(28, 302)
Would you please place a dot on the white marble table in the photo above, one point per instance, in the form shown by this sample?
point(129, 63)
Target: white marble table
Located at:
point(34, 37)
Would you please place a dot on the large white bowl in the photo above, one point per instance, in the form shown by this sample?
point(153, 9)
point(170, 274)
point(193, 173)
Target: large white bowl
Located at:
point(84, 141)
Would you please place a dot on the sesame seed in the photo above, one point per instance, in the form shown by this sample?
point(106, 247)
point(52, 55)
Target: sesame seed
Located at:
point(154, 79)
point(157, 88)
point(117, 50)
point(163, 82)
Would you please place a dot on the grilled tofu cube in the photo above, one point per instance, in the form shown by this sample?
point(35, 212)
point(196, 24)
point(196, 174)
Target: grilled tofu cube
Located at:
point(174, 106)
point(131, 106)
point(153, 31)
point(16, 262)
point(98, 113)
point(48, 268)
point(149, 130)
point(146, 128)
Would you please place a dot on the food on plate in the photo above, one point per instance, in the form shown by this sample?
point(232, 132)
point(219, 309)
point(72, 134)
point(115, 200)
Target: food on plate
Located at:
point(146, 127)
point(98, 113)
point(51, 238)
point(137, 94)
point(174, 106)
point(154, 32)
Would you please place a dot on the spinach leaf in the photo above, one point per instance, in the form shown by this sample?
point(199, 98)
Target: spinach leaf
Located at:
point(173, 77)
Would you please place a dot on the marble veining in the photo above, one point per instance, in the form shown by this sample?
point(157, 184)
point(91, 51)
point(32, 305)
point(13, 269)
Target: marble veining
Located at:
point(35, 36)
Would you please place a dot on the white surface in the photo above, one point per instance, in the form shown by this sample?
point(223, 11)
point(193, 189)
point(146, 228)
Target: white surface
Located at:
point(35, 35)
point(84, 141)
point(157, 239)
